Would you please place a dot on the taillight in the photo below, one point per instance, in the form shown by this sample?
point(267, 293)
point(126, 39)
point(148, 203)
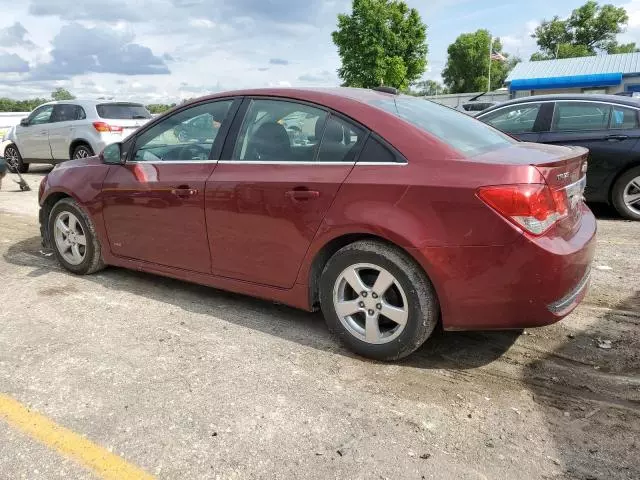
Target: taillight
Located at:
point(534, 207)
point(103, 127)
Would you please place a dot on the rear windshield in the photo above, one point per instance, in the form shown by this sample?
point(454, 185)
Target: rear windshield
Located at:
point(460, 131)
point(122, 111)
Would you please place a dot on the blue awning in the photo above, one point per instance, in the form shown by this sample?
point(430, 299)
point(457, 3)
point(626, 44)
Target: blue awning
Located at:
point(572, 81)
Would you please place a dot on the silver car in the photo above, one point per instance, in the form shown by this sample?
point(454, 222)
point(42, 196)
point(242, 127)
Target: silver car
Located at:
point(63, 130)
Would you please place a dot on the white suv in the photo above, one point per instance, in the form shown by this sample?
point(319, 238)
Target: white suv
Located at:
point(58, 131)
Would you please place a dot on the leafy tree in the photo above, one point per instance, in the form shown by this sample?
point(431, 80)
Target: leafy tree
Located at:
point(467, 68)
point(382, 42)
point(62, 94)
point(589, 30)
point(427, 88)
point(159, 107)
point(9, 105)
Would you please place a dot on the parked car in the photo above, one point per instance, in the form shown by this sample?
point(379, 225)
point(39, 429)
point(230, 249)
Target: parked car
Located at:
point(59, 131)
point(474, 108)
point(400, 214)
point(608, 125)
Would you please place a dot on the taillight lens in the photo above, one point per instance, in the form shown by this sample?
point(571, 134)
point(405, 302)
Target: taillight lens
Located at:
point(533, 207)
point(103, 127)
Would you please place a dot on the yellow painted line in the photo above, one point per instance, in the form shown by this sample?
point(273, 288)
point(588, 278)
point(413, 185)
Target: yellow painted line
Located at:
point(102, 462)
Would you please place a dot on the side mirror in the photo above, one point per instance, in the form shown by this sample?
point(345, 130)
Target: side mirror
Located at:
point(112, 154)
point(24, 122)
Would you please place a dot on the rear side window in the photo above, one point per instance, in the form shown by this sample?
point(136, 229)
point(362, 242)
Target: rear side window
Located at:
point(456, 129)
point(375, 152)
point(341, 141)
point(623, 118)
point(514, 119)
point(579, 116)
point(122, 111)
point(64, 113)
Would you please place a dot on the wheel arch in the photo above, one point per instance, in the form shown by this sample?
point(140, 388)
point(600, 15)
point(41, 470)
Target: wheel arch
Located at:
point(76, 143)
point(46, 206)
point(632, 164)
point(330, 247)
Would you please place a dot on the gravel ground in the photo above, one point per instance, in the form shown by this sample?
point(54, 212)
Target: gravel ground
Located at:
point(190, 382)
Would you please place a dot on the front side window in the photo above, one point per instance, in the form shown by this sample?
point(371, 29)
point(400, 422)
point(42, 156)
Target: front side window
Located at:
point(458, 130)
point(581, 116)
point(514, 119)
point(41, 115)
point(279, 131)
point(177, 138)
point(623, 118)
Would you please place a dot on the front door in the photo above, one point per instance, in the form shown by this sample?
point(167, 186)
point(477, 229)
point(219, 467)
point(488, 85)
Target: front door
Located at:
point(33, 139)
point(266, 201)
point(608, 131)
point(523, 121)
point(154, 204)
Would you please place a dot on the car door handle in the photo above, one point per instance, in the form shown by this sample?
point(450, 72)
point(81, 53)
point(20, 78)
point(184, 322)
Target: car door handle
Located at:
point(302, 194)
point(184, 192)
point(612, 138)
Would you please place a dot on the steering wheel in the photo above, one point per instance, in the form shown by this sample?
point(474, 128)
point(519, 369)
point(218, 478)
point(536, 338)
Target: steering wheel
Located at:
point(193, 152)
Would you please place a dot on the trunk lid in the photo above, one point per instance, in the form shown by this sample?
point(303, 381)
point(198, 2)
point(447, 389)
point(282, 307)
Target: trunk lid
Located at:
point(563, 170)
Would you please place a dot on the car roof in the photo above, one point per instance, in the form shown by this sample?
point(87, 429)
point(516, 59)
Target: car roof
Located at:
point(585, 97)
point(83, 102)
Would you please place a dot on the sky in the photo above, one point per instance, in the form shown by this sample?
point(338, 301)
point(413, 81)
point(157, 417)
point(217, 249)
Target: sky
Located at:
point(162, 51)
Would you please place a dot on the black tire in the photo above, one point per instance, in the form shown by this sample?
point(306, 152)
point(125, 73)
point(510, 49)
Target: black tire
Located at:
point(618, 191)
point(93, 251)
point(423, 308)
point(82, 151)
point(14, 159)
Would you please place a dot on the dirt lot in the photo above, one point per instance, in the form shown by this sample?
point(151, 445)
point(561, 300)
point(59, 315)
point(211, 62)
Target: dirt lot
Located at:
point(184, 381)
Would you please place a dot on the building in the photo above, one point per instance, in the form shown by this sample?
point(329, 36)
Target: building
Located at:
point(597, 74)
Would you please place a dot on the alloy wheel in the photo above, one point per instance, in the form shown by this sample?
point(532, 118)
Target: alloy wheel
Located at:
point(631, 195)
point(12, 157)
point(370, 303)
point(70, 238)
point(81, 153)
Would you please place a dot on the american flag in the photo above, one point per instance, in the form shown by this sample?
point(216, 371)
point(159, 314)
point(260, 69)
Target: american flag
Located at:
point(498, 56)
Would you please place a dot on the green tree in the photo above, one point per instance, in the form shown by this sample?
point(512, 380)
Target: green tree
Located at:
point(159, 107)
point(427, 88)
point(467, 68)
point(382, 42)
point(62, 94)
point(589, 30)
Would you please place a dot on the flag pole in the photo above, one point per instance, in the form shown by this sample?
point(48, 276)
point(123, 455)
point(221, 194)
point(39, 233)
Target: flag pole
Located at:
point(490, 48)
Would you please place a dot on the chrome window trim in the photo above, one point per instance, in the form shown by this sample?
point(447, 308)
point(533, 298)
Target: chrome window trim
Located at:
point(372, 164)
point(275, 162)
point(165, 162)
point(559, 100)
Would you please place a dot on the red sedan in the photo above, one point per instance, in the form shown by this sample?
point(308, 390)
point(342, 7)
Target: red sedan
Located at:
point(390, 213)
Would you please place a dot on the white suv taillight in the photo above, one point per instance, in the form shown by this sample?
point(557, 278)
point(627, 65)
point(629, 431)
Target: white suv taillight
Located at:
point(103, 127)
point(533, 207)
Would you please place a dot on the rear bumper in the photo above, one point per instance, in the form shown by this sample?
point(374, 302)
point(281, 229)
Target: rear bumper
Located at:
point(530, 283)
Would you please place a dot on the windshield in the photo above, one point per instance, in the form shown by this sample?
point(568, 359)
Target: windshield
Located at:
point(122, 111)
point(467, 135)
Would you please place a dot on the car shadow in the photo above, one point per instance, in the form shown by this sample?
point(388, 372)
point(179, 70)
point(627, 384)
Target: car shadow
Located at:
point(588, 391)
point(444, 350)
point(604, 211)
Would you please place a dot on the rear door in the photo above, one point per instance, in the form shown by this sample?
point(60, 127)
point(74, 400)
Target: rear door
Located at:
point(281, 170)
point(63, 121)
point(608, 131)
point(524, 121)
point(154, 204)
point(33, 140)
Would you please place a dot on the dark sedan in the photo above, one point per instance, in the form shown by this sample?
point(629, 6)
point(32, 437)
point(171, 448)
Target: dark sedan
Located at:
point(608, 125)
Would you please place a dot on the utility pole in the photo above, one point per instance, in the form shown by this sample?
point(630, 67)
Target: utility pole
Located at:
point(490, 48)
